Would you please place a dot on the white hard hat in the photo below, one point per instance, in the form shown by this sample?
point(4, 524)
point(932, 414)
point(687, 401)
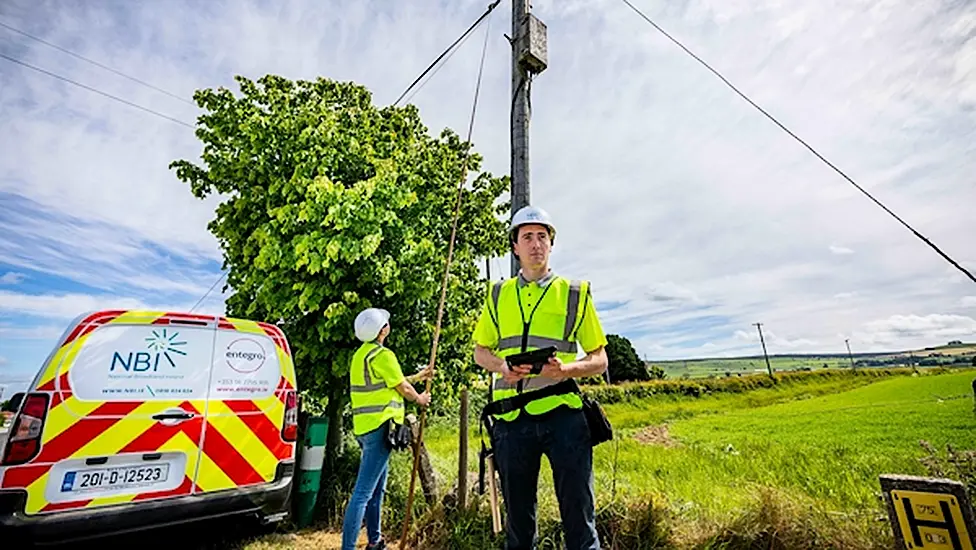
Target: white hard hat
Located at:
point(532, 215)
point(370, 322)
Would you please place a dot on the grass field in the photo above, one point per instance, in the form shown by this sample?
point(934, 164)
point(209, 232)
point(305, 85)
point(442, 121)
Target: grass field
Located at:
point(806, 453)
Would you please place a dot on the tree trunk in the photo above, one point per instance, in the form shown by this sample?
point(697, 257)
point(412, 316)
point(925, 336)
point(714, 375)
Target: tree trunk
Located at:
point(329, 492)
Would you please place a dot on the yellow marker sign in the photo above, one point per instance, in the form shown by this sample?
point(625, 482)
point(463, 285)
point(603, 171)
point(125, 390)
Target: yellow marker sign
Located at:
point(931, 521)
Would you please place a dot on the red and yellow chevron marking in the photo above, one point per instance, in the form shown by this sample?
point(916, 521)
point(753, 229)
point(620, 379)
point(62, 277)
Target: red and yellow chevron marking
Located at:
point(233, 443)
point(106, 429)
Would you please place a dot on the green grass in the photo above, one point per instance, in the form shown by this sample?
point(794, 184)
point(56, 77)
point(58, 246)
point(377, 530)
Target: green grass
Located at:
point(826, 442)
point(833, 448)
point(794, 465)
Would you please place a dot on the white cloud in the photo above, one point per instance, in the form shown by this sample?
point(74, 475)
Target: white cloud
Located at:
point(11, 278)
point(40, 332)
point(932, 328)
point(774, 341)
point(68, 306)
point(969, 301)
point(692, 214)
point(3, 361)
point(64, 306)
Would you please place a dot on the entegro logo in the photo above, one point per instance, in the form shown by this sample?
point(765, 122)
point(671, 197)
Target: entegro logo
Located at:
point(245, 355)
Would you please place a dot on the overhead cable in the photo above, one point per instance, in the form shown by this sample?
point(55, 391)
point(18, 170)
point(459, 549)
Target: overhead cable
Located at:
point(95, 63)
point(213, 286)
point(97, 91)
point(850, 180)
point(491, 8)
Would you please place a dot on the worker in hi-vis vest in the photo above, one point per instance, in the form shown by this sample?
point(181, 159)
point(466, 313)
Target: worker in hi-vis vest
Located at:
point(377, 389)
point(534, 310)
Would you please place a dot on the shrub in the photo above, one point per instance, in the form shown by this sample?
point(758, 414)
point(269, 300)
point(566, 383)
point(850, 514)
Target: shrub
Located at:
point(777, 521)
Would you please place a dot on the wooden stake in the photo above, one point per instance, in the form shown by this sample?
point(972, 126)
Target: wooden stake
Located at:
point(462, 484)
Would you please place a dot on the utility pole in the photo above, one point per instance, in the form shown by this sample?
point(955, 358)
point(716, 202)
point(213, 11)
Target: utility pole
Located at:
point(765, 355)
point(529, 57)
point(849, 354)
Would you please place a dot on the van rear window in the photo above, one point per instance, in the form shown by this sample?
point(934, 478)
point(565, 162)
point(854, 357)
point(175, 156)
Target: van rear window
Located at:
point(143, 362)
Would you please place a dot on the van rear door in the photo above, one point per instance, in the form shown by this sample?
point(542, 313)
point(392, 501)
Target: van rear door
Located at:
point(245, 438)
point(125, 420)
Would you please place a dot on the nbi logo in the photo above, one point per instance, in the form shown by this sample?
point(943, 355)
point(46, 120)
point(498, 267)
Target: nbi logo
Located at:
point(160, 347)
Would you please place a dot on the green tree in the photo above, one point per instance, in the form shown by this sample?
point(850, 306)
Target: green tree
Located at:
point(331, 205)
point(624, 364)
point(655, 372)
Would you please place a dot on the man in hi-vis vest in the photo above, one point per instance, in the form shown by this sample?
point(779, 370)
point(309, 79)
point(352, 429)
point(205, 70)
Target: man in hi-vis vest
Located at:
point(535, 310)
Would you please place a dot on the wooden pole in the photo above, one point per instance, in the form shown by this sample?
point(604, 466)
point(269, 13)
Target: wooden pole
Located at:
point(519, 120)
point(463, 453)
point(440, 307)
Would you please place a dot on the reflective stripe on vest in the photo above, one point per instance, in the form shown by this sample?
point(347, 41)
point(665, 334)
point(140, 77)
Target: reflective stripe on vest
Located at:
point(373, 403)
point(369, 385)
point(558, 329)
point(378, 408)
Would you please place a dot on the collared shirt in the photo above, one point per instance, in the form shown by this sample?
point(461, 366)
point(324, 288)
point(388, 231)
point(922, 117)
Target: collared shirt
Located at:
point(589, 335)
point(541, 282)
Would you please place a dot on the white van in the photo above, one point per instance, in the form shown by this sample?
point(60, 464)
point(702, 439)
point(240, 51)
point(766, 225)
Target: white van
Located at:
point(140, 419)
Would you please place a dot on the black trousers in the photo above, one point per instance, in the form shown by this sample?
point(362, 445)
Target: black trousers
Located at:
point(563, 436)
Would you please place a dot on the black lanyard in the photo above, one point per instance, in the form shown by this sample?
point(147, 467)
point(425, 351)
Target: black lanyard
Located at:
point(527, 324)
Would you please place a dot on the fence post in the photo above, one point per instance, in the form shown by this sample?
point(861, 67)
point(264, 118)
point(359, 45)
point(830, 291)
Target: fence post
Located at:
point(463, 453)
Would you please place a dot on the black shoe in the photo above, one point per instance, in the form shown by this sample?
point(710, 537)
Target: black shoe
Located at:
point(378, 546)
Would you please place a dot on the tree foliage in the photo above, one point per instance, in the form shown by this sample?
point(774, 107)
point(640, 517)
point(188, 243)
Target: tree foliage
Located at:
point(331, 205)
point(624, 364)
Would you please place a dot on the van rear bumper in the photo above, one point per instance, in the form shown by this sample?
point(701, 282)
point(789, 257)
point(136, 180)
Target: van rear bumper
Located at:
point(77, 525)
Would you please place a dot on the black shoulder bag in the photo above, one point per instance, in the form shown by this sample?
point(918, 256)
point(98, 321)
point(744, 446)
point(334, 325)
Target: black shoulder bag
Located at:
point(600, 428)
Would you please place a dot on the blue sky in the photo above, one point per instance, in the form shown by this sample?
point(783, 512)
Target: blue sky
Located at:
point(692, 215)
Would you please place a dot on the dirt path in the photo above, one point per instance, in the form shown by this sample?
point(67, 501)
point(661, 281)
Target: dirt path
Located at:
point(309, 539)
point(656, 435)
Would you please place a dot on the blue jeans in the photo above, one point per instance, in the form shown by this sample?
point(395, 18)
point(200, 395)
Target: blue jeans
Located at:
point(367, 496)
point(563, 436)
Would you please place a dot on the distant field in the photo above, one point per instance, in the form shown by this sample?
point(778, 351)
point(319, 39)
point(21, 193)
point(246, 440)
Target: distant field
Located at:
point(960, 349)
point(698, 368)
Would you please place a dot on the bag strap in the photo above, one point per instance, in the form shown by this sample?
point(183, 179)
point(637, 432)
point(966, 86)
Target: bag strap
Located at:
point(516, 402)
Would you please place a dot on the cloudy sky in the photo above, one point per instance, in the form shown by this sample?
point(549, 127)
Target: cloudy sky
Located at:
point(692, 214)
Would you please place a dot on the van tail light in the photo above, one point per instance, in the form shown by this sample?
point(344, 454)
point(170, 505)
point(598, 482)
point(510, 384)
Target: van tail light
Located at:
point(289, 432)
point(25, 435)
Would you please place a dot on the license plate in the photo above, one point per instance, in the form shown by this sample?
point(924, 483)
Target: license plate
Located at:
point(122, 477)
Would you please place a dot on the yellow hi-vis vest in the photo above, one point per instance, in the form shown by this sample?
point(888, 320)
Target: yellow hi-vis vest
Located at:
point(373, 403)
point(550, 319)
